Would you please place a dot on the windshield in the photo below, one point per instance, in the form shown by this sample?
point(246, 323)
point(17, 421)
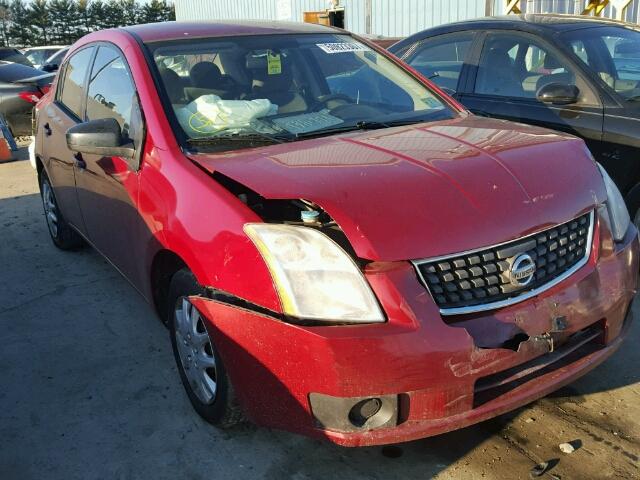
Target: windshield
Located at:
point(286, 87)
point(57, 57)
point(613, 53)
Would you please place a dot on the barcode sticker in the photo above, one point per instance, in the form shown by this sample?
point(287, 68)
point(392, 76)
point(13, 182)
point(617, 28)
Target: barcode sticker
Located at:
point(342, 47)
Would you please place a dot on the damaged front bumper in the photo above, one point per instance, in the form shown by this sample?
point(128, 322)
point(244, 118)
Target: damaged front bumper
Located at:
point(418, 375)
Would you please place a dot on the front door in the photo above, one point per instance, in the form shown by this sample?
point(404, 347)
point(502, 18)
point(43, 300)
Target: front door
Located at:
point(107, 187)
point(56, 119)
point(513, 66)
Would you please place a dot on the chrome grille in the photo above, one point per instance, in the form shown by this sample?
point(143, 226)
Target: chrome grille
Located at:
point(488, 278)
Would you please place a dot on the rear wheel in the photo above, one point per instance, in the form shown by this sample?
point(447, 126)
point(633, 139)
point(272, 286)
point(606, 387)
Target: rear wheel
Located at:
point(636, 219)
point(201, 369)
point(62, 235)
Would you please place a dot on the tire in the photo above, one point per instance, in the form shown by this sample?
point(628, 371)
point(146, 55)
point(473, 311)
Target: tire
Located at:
point(63, 236)
point(198, 371)
point(636, 219)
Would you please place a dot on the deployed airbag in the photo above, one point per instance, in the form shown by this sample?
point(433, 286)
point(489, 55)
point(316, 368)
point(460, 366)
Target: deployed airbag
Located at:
point(210, 114)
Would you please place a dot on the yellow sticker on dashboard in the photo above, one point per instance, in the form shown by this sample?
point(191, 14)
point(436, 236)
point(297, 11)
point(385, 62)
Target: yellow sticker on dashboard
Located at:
point(274, 64)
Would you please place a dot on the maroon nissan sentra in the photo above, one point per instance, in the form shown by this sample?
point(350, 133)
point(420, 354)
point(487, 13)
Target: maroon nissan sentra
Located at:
point(336, 246)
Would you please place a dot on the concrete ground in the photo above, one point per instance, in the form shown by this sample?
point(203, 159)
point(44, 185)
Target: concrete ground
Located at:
point(88, 390)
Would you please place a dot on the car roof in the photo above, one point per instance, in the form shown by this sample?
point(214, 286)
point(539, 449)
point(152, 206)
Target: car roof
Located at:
point(537, 23)
point(45, 47)
point(550, 21)
point(153, 32)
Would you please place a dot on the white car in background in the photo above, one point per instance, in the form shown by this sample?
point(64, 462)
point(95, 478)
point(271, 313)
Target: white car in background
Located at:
point(32, 153)
point(39, 55)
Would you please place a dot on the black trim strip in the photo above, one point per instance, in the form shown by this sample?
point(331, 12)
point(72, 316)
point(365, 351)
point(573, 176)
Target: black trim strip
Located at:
point(230, 299)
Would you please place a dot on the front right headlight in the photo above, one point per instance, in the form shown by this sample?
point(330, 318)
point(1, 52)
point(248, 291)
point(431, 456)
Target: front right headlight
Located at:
point(617, 208)
point(315, 278)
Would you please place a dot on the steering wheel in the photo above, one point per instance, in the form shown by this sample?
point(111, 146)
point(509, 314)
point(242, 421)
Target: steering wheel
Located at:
point(323, 100)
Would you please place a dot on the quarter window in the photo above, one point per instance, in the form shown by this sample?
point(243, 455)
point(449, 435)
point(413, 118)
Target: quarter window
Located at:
point(441, 58)
point(71, 93)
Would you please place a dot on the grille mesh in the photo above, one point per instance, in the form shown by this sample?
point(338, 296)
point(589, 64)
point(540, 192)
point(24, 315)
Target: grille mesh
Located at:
point(483, 276)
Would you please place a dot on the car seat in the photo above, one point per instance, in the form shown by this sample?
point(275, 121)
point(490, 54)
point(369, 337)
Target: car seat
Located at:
point(206, 78)
point(498, 76)
point(172, 85)
point(276, 87)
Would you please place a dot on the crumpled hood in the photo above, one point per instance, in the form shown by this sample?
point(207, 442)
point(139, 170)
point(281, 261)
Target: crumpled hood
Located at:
point(430, 189)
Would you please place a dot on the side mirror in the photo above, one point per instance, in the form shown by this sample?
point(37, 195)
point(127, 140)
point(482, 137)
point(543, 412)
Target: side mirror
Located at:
point(558, 94)
point(50, 67)
point(99, 137)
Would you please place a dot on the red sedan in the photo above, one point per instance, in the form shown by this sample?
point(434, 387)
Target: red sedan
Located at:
point(338, 248)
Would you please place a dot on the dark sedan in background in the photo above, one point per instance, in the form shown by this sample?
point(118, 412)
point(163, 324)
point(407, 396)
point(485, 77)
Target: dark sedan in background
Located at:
point(20, 89)
point(13, 55)
point(575, 74)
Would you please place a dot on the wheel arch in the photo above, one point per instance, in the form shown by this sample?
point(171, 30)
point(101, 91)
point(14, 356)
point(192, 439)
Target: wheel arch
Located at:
point(39, 166)
point(164, 265)
point(632, 199)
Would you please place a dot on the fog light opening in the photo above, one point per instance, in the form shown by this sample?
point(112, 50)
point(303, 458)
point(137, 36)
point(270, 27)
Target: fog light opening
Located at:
point(362, 411)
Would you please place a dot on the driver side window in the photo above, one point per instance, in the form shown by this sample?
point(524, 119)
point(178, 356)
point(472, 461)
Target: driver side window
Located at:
point(110, 93)
point(513, 65)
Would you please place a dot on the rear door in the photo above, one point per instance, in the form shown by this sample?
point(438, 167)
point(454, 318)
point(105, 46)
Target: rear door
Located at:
point(443, 59)
point(512, 67)
point(60, 115)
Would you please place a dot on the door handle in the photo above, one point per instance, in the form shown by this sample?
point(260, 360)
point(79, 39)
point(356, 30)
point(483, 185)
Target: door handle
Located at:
point(80, 163)
point(47, 129)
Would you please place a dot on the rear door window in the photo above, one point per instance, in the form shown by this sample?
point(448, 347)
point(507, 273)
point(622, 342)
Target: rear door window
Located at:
point(441, 58)
point(71, 91)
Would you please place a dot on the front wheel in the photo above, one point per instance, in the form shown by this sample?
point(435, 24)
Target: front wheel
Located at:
point(201, 369)
point(62, 235)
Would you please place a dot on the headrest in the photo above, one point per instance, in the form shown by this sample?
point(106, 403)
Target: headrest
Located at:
point(172, 84)
point(498, 58)
point(204, 74)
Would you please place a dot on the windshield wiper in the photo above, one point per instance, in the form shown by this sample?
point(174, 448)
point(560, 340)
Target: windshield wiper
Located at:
point(361, 125)
point(236, 137)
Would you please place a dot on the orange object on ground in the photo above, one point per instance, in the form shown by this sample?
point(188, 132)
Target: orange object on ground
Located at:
point(5, 151)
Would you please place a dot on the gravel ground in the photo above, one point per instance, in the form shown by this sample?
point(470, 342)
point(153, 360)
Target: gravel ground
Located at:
point(88, 389)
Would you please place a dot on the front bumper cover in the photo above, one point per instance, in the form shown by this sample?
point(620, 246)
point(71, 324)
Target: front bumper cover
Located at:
point(434, 369)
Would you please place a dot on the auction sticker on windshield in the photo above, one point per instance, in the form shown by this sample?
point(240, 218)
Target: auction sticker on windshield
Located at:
point(342, 47)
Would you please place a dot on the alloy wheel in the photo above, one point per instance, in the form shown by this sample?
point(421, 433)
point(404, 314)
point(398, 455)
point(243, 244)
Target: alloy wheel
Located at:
point(50, 208)
point(195, 351)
